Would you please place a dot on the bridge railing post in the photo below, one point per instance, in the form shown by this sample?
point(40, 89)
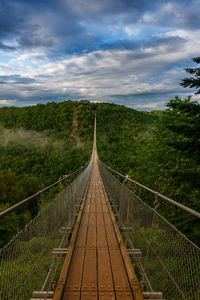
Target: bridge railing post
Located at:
point(70, 200)
point(122, 206)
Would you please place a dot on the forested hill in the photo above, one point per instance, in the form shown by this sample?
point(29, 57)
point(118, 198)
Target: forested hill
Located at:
point(39, 144)
point(162, 153)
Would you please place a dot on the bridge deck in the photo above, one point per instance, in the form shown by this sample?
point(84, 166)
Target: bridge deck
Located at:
point(97, 265)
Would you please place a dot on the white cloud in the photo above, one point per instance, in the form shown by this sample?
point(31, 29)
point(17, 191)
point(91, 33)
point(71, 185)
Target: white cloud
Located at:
point(195, 97)
point(7, 102)
point(102, 74)
point(99, 74)
point(132, 30)
point(151, 105)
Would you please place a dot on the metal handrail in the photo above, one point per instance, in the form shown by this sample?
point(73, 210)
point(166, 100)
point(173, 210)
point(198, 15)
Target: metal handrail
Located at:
point(185, 208)
point(65, 177)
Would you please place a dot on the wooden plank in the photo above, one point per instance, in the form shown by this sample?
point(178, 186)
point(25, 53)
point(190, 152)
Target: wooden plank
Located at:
point(121, 282)
point(128, 265)
point(91, 234)
point(74, 278)
point(82, 232)
point(107, 218)
point(105, 280)
point(124, 296)
point(92, 218)
point(71, 295)
point(107, 295)
point(99, 208)
point(111, 237)
point(84, 219)
point(105, 208)
point(97, 198)
point(135, 287)
point(89, 280)
point(87, 207)
point(89, 296)
point(101, 236)
point(81, 238)
point(100, 219)
point(92, 208)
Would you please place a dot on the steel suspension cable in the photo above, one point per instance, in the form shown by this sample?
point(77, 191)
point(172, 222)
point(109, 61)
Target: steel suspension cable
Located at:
point(185, 208)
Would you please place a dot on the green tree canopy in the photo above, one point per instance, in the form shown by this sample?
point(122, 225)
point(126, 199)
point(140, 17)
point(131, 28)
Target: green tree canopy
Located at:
point(193, 82)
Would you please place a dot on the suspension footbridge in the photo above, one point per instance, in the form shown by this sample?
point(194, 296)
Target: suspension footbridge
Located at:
point(99, 240)
point(97, 265)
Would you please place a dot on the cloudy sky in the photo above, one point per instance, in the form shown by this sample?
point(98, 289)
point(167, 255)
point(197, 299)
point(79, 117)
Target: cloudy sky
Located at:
point(130, 52)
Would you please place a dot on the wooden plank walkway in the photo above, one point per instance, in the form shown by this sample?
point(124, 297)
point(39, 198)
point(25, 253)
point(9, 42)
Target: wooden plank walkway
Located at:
point(97, 265)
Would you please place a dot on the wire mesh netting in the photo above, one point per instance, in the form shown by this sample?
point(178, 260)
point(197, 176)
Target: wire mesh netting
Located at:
point(170, 261)
point(26, 262)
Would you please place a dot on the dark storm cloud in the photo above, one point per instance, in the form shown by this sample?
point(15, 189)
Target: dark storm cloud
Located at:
point(60, 25)
point(48, 24)
point(15, 22)
point(10, 20)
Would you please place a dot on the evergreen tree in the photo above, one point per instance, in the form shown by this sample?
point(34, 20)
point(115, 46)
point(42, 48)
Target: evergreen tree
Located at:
point(193, 82)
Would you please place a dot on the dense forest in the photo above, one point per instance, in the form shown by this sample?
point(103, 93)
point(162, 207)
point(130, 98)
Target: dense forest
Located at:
point(38, 145)
point(160, 149)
